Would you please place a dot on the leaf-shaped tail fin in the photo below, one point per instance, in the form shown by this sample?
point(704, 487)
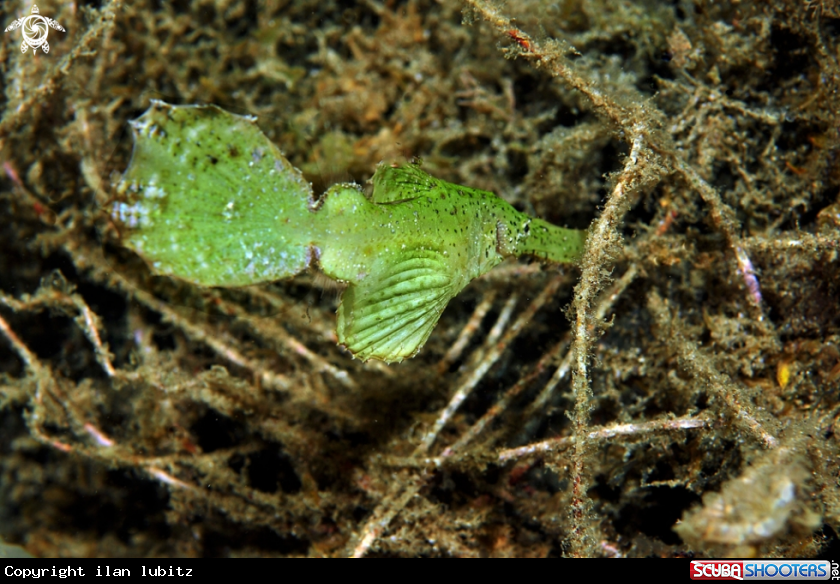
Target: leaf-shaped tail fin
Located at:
point(208, 198)
point(389, 314)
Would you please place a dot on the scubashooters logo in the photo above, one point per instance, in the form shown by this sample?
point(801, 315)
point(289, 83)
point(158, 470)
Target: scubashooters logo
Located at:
point(35, 29)
point(717, 570)
point(762, 570)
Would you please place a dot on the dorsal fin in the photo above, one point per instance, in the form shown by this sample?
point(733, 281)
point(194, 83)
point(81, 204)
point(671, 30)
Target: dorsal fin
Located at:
point(389, 314)
point(393, 184)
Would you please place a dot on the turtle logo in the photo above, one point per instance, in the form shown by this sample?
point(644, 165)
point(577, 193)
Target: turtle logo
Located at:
point(35, 30)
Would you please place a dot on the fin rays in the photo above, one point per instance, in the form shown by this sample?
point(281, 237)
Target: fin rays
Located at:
point(389, 314)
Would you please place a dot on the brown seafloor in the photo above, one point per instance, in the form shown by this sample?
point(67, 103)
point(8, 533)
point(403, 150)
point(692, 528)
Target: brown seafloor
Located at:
point(686, 374)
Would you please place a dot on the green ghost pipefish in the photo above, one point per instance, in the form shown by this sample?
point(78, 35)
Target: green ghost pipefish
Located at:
point(208, 198)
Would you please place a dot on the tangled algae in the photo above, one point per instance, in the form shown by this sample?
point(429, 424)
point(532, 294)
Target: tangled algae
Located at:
point(675, 394)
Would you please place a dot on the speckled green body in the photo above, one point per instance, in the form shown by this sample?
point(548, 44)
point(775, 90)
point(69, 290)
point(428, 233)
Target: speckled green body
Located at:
point(208, 198)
